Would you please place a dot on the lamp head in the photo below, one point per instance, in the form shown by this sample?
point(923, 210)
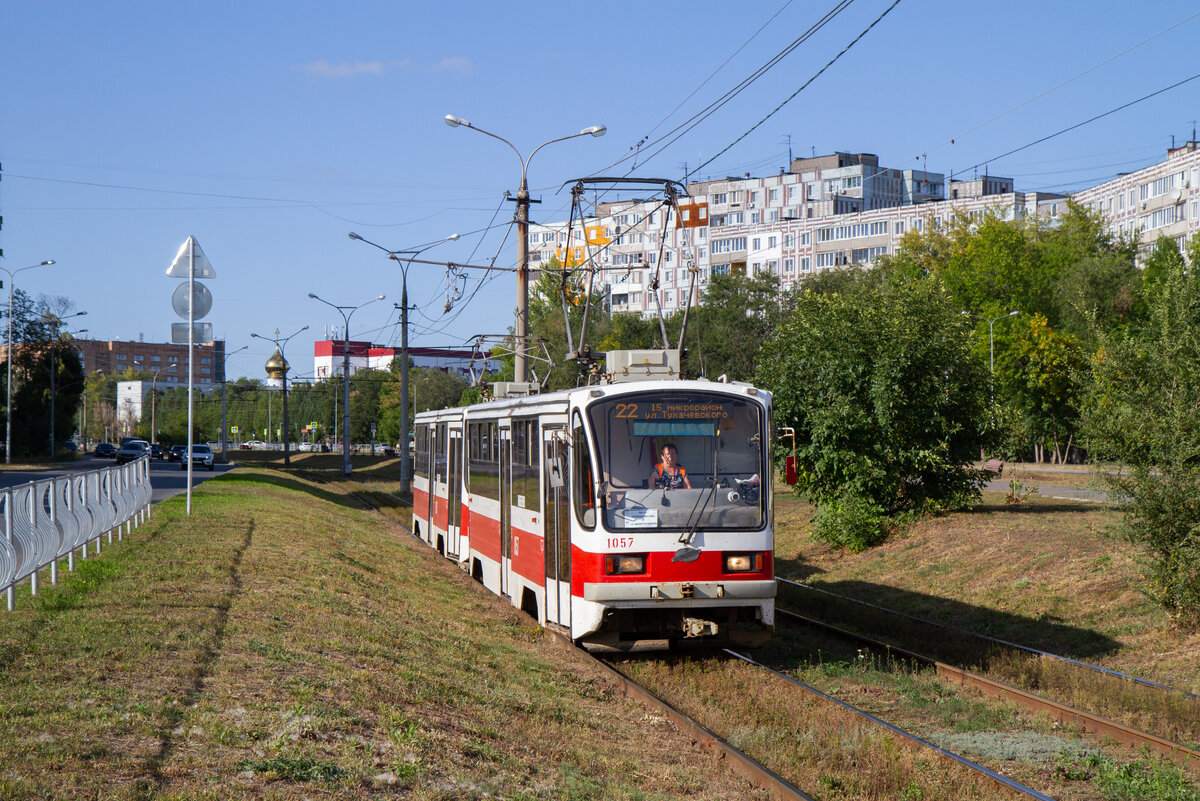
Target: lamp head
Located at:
point(353, 235)
point(594, 130)
point(47, 261)
point(452, 237)
point(454, 121)
point(314, 297)
point(1014, 311)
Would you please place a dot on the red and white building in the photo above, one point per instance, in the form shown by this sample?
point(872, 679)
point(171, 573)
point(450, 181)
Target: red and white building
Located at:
point(329, 358)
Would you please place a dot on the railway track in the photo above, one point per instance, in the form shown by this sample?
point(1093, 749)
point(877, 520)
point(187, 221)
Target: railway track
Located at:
point(1063, 713)
point(777, 785)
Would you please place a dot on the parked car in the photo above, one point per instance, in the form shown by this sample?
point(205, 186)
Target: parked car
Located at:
point(105, 450)
point(175, 454)
point(133, 450)
point(202, 456)
point(254, 445)
point(70, 446)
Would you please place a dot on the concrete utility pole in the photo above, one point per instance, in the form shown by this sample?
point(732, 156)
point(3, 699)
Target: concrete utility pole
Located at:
point(521, 327)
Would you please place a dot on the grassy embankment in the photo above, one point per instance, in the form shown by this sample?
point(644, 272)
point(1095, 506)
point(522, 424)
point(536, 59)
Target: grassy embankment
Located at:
point(282, 643)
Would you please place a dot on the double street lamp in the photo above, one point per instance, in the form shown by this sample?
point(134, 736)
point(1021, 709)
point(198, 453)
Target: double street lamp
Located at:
point(280, 344)
point(521, 328)
point(405, 465)
point(12, 274)
point(991, 343)
point(347, 312)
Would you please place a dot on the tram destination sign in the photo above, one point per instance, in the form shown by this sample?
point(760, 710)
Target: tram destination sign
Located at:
point(672, 410)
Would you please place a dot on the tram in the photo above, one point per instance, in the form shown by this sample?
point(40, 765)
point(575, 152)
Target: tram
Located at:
point(556, 501)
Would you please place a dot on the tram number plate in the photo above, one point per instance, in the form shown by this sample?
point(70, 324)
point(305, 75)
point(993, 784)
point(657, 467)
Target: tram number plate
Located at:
point(620, 542)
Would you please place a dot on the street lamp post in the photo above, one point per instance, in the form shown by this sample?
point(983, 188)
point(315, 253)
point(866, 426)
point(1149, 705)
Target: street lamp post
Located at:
point(281, 344)
point(347, 312)
point(521, 328)
point(56, 321)
point(154, 401)
point(991, 345)
point(224, 419)
point(405, 465)
point(12, 276)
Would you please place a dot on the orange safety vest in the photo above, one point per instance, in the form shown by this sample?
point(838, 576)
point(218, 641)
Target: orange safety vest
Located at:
point(682, 472)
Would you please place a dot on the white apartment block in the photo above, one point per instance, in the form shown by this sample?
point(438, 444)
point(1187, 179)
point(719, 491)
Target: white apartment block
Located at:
point(827, 212)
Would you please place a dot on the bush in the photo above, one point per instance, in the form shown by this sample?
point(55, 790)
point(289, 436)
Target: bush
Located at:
point(851, 522)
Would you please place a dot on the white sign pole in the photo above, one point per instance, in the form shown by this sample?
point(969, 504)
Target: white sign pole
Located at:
point(191, 358)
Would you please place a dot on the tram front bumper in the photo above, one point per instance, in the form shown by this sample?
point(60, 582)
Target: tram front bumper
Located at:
point(705, 591)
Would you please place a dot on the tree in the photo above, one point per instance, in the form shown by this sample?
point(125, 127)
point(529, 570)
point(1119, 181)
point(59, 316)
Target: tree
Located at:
point(1142, 409)
point(1043, 370)
point(887, 402)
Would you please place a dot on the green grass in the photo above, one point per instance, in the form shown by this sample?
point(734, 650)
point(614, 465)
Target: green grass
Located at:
point(284, 643)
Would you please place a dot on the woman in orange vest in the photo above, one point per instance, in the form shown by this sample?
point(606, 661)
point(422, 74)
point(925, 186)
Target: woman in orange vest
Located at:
point(669, 474)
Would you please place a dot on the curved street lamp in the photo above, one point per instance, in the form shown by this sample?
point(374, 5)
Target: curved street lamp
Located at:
point(281, 343)
point(347, 312)
point(12, 276)
point(991, 345)
point(224, 420)
point(521, 328)
point(56, 321)
point(154, 401)
point(405, 465)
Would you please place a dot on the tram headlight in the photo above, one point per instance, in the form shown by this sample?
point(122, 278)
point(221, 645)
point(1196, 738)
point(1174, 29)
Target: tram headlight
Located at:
point(619, 564)
point(743, 562)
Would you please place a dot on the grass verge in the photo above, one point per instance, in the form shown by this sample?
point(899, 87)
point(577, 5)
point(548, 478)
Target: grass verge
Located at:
point(281, 644)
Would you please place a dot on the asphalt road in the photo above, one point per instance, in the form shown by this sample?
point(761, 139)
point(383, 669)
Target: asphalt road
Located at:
point(165, 477)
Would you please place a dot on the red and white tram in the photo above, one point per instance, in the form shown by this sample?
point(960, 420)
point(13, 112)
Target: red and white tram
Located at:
point(554, 501)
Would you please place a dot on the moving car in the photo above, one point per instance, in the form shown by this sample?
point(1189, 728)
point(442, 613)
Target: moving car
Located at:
point(105, 450)
point(175, 454)
point(133, 450)
point(202, 456)
point(156, 450)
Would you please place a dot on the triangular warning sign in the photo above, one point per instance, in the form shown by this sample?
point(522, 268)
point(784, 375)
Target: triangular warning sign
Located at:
point(183, 260)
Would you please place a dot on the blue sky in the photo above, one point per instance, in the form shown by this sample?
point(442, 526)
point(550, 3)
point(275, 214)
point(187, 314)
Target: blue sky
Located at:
point(270, 130)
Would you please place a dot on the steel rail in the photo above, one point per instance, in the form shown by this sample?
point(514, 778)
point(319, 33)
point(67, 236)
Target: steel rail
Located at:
point(998, 778)
point(994, 640)
point(734, 759)
point(1126, 735)
point(725, 753)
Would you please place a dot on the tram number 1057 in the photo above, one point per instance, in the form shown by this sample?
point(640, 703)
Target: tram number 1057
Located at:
point(619, 542)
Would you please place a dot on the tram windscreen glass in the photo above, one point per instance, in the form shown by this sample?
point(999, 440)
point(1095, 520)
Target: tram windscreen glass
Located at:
point(718, 442)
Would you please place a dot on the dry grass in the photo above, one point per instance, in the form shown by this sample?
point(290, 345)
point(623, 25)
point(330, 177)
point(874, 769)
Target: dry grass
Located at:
point(281, 643)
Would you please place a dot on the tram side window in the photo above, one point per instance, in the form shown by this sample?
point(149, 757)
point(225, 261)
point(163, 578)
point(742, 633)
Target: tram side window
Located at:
point(582, 484)
point(483, 460)
point(422, 451)
point(439, 456)
point(527, 475)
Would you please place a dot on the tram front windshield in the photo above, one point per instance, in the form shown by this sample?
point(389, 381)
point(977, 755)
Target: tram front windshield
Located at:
point(718, 445)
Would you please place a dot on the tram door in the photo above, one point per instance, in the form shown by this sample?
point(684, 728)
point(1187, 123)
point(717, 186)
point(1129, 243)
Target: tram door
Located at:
point(454, 494)
point(432, 472)
point(505, 510)
point(557, 528)
point(440, 484)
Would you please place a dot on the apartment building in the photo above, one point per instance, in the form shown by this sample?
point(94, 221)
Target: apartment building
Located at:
point(832, 211)
point(1160, 200)
point(169, 360)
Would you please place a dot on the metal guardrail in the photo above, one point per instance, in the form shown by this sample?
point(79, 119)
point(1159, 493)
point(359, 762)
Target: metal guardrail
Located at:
point(47, 520)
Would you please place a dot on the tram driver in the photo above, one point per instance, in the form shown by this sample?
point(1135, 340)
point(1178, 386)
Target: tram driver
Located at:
point(669, 474)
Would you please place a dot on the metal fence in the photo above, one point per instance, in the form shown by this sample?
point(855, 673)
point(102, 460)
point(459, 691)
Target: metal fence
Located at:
point(45, 521)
